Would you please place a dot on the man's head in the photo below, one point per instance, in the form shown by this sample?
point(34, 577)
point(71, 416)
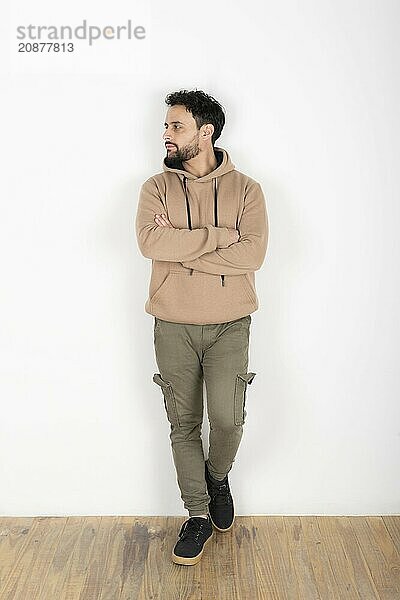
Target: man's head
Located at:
point(194, 121)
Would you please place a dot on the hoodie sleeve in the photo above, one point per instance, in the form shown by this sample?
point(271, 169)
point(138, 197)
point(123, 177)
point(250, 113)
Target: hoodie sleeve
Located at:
point(248, 253)
point(168, 243)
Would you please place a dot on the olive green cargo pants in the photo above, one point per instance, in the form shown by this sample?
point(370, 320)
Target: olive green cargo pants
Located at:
point(185, 354)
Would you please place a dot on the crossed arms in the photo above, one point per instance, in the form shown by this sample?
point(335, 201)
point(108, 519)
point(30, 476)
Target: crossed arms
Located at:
point(205, 249)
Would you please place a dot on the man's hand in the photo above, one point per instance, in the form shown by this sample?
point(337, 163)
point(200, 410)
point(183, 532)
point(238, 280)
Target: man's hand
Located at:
point(234, 236)
point(163, 221)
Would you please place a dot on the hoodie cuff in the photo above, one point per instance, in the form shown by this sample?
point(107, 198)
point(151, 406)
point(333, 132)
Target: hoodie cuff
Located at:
point(223, 237)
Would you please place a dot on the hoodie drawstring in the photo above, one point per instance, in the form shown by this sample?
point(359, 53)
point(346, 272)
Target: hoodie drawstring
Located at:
point(216, 218)
point(215, 214)
point(187, 211)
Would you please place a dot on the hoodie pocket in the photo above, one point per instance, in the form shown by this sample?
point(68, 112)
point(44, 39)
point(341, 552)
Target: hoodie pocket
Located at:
point(160, 289)
point(200, 298)
point(242, 380)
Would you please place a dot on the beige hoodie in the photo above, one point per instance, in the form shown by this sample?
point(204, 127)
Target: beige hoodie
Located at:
point(196, 277)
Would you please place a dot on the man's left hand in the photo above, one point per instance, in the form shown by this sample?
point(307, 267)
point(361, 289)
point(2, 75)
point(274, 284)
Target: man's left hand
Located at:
point(163, 221)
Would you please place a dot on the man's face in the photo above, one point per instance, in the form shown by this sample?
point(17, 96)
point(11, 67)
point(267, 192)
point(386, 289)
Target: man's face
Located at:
point(181, 136)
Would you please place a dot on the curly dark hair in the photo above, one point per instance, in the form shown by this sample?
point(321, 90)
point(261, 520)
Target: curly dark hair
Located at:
point(204, 108)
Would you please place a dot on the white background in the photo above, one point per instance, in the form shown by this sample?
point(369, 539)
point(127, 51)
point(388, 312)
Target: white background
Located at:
point(311, 92)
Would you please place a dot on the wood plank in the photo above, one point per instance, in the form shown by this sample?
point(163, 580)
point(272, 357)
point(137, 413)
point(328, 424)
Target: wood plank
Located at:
point(339, 561)
point(67, 574)
point(319, 559)
point(364, 583)
point(97, 558)
point(305, 577)
point(159, 571)
point(232, 563)
point(392, 524)
point(380, 555)
point(13, 539)
point(26, 577)
point(273, 558)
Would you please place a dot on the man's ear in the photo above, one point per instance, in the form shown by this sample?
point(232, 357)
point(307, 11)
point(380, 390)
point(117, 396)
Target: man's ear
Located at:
point(208, 130)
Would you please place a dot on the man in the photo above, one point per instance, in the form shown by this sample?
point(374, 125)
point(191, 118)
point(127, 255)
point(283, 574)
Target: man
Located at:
point(205, 226)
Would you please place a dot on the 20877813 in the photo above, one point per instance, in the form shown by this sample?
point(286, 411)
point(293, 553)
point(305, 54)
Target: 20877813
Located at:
point(45, 47)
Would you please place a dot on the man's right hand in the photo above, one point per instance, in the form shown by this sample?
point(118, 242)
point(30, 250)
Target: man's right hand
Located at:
point(232, 238)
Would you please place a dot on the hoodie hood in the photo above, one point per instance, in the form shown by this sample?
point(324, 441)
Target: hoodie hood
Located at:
point(224, 165)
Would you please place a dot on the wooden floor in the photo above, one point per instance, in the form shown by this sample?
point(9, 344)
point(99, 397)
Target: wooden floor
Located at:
point(113, 558)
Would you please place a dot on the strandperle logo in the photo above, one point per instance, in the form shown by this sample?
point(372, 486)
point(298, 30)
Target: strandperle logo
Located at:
point(81, 32)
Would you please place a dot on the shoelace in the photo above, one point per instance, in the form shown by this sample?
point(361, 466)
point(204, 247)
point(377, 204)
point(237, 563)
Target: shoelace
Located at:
point(221, 495)
point(192, 529)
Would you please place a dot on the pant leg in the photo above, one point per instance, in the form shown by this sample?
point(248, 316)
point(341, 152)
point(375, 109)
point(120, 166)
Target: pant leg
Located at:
point(178, 356)
point(225, 364)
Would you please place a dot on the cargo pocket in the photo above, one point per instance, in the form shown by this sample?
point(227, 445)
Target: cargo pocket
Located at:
point(169, 399)
point(242, 380)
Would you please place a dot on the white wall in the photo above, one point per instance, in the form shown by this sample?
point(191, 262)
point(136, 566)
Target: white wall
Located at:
point(311, 91)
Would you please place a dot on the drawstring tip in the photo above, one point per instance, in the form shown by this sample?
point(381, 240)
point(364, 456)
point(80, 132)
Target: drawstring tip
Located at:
point(191, 271)
point(222, 279)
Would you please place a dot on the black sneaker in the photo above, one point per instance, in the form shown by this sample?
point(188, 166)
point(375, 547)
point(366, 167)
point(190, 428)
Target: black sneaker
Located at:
point(195, 533)
point(221, 507)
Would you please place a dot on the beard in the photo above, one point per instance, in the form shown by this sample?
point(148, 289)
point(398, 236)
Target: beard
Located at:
point(179, 155)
